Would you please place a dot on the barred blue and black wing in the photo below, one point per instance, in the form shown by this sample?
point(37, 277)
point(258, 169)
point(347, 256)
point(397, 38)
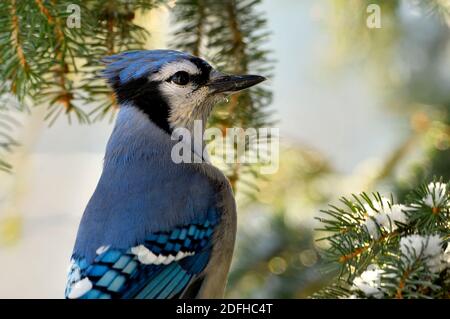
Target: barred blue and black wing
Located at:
point(165, 265)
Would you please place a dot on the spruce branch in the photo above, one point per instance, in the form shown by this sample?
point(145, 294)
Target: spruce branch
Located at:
point(15, 37)
point(59, 91)
point(21, 53)
point(384, 249)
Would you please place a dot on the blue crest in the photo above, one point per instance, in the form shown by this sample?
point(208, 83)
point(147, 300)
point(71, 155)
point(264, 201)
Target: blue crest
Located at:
point(124, 67)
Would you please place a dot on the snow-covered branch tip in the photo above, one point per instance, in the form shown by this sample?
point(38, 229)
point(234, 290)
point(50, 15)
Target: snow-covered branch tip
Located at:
point(390, 250)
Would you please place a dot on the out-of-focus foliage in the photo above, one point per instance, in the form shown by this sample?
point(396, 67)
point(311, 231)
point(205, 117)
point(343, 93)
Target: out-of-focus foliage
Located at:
point(275, 255)
point(410, 68)
point(8, 125)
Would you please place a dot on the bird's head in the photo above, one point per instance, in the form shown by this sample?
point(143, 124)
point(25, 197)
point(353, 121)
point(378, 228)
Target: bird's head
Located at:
point(172, 88)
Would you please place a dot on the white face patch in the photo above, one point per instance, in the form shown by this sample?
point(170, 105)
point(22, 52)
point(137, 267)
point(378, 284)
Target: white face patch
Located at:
point(147, 257)
point(187, 103)
point(170, 69)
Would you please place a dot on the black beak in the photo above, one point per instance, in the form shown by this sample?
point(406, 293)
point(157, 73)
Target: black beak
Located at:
point(233, 83)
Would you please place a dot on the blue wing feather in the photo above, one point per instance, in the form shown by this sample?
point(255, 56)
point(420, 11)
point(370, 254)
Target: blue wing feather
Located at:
point(118, 273)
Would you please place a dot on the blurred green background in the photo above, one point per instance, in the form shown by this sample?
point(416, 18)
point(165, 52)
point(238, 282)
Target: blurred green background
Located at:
point(358, 108)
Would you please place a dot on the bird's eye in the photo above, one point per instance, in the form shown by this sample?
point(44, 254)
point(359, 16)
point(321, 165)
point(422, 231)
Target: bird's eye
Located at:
point(180, 78)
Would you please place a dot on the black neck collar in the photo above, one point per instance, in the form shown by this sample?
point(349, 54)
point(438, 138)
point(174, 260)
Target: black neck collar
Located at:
point(146, 97)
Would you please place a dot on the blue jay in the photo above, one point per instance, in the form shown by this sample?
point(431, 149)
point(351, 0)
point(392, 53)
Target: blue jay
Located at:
point(154, 228)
